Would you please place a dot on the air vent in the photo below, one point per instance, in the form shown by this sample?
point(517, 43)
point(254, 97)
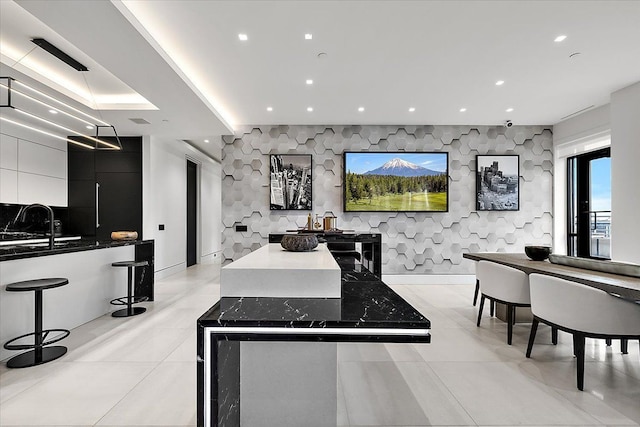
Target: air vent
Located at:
point(577, 112)
point(140, 121)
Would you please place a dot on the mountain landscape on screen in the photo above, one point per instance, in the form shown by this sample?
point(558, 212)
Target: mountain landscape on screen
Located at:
point(399, 167)
point(395, 182)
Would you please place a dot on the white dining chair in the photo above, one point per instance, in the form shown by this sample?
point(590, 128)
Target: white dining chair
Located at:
point(505, 285)
point(582, 311)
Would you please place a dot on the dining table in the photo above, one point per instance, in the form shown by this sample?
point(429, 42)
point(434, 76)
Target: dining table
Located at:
point(617, 285)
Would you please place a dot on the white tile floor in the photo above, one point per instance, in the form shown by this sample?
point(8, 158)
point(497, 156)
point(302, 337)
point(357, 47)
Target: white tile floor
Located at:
point(141, 371)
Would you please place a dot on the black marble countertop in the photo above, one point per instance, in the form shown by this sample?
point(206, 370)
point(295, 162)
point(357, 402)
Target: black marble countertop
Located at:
point(366, 302)
point(27, 250)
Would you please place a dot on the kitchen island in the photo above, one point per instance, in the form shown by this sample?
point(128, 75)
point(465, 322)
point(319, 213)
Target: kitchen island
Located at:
point(92, 282)
point(367, 311)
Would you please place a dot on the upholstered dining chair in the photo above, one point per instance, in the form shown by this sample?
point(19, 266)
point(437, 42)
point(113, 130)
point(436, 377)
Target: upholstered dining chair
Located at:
point(505, 285)
point(582, 311)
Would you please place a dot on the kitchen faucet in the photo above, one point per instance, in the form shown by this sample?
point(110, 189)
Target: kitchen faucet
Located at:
point(51, 225)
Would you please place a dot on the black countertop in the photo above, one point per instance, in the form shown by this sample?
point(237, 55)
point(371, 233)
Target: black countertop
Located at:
point(27, 250)
point(366, 302)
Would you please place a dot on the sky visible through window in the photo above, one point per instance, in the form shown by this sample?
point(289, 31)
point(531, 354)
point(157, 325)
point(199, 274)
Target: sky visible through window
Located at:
point(601, 184)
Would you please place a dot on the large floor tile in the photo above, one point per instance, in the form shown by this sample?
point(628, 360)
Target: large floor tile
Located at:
point(134, 345)
point(463, 345)
point(495, 393)
point(609, 395)
point(377, 394)
point(76, 393)
point(166, 397)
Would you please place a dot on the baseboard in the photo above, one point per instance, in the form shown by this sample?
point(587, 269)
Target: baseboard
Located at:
point(212, 257)
point(429, 279)
point(168, 271)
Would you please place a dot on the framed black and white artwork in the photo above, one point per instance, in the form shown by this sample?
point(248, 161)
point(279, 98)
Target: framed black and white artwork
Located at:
point(290, 176)
point(497, 182)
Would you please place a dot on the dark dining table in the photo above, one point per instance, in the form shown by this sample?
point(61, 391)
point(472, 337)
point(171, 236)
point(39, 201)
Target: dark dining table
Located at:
point(617, 285)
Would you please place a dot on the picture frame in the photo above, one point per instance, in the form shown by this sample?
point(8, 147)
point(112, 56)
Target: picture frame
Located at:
point(291, 177)
point(396, 181)
point(498, 182)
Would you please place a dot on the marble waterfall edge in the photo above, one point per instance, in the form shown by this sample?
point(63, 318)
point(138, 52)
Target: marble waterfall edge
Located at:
point(273, 272)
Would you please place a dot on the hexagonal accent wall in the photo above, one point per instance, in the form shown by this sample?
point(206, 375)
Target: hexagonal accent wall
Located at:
point(413, 243)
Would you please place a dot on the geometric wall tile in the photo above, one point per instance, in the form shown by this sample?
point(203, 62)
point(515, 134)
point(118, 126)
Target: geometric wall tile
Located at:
point(413, 242)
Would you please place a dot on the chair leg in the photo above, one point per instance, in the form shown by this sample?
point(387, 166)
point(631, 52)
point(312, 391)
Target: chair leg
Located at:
point(554, 335)
point(509, 323)
point(578, 340)
point(532, 336)
point(608, 341)
point(624, 346)
point(492, 307)
point(475, 293)
point(513, 318)
point(480, 309)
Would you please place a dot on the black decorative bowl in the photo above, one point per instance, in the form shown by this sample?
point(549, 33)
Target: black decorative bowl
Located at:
point(299, 242)
point(537, 253)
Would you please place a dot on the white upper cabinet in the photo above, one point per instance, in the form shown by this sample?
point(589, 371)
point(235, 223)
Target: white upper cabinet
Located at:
point(32, 172)
point(8, 152)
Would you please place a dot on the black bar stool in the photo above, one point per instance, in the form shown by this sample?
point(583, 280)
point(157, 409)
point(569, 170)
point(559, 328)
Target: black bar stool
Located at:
point(40, 354)
point(130, 299)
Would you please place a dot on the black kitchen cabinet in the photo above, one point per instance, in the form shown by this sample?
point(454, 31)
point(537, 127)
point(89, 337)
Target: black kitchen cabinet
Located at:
point(105, 189)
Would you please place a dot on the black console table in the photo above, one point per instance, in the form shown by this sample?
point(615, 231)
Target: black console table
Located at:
point(371, 246)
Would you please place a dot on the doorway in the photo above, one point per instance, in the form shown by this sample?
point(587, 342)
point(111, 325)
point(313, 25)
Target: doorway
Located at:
point(589, 205)
point(192, 212)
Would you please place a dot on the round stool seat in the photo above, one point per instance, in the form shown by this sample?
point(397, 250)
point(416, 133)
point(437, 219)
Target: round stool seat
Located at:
point(130, 264)
point(37, 284)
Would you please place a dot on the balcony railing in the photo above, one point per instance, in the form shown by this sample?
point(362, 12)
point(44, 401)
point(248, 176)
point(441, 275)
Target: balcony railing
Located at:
point(600, 226)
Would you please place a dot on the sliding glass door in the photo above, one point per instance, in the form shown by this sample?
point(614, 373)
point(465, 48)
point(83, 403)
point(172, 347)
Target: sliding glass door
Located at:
point(589, 205)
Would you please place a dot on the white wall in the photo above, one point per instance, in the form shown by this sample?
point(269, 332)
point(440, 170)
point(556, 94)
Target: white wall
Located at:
point(164, 202)
point(33, 167)
point(625, 174)
point(587, 132)
point(615, 124)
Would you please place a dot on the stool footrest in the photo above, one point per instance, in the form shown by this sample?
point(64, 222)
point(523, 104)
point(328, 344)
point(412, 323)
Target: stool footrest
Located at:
point(128, 300)
point(45, 333)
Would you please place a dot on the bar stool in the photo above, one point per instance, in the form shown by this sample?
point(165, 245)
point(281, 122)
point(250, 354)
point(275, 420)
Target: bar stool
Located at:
point(39, 353)
point(130, 299)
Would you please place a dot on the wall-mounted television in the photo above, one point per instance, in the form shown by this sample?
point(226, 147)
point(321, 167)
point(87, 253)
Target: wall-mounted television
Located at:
point(396, 181)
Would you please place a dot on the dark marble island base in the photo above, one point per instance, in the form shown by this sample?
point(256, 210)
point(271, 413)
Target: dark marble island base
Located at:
point(368, 311)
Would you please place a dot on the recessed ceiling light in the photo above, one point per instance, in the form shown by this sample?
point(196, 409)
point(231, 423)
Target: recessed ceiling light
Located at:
point(89, 127)
point(206, 141)
point(309, 109)
point(361, 109)
point(269, 108)
point(462, 110)
point(499, 82)
point(412, 109)
point(560, 38)
point(309, 81)
point(243, 37)
point(53, 111)
point(308, 36)
point(508, 110)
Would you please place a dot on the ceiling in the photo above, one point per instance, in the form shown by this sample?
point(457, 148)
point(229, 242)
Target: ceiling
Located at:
point(186, 59)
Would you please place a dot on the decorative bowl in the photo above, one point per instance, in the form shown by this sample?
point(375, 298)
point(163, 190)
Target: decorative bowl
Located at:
point(537, 253)
point(299, 242)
